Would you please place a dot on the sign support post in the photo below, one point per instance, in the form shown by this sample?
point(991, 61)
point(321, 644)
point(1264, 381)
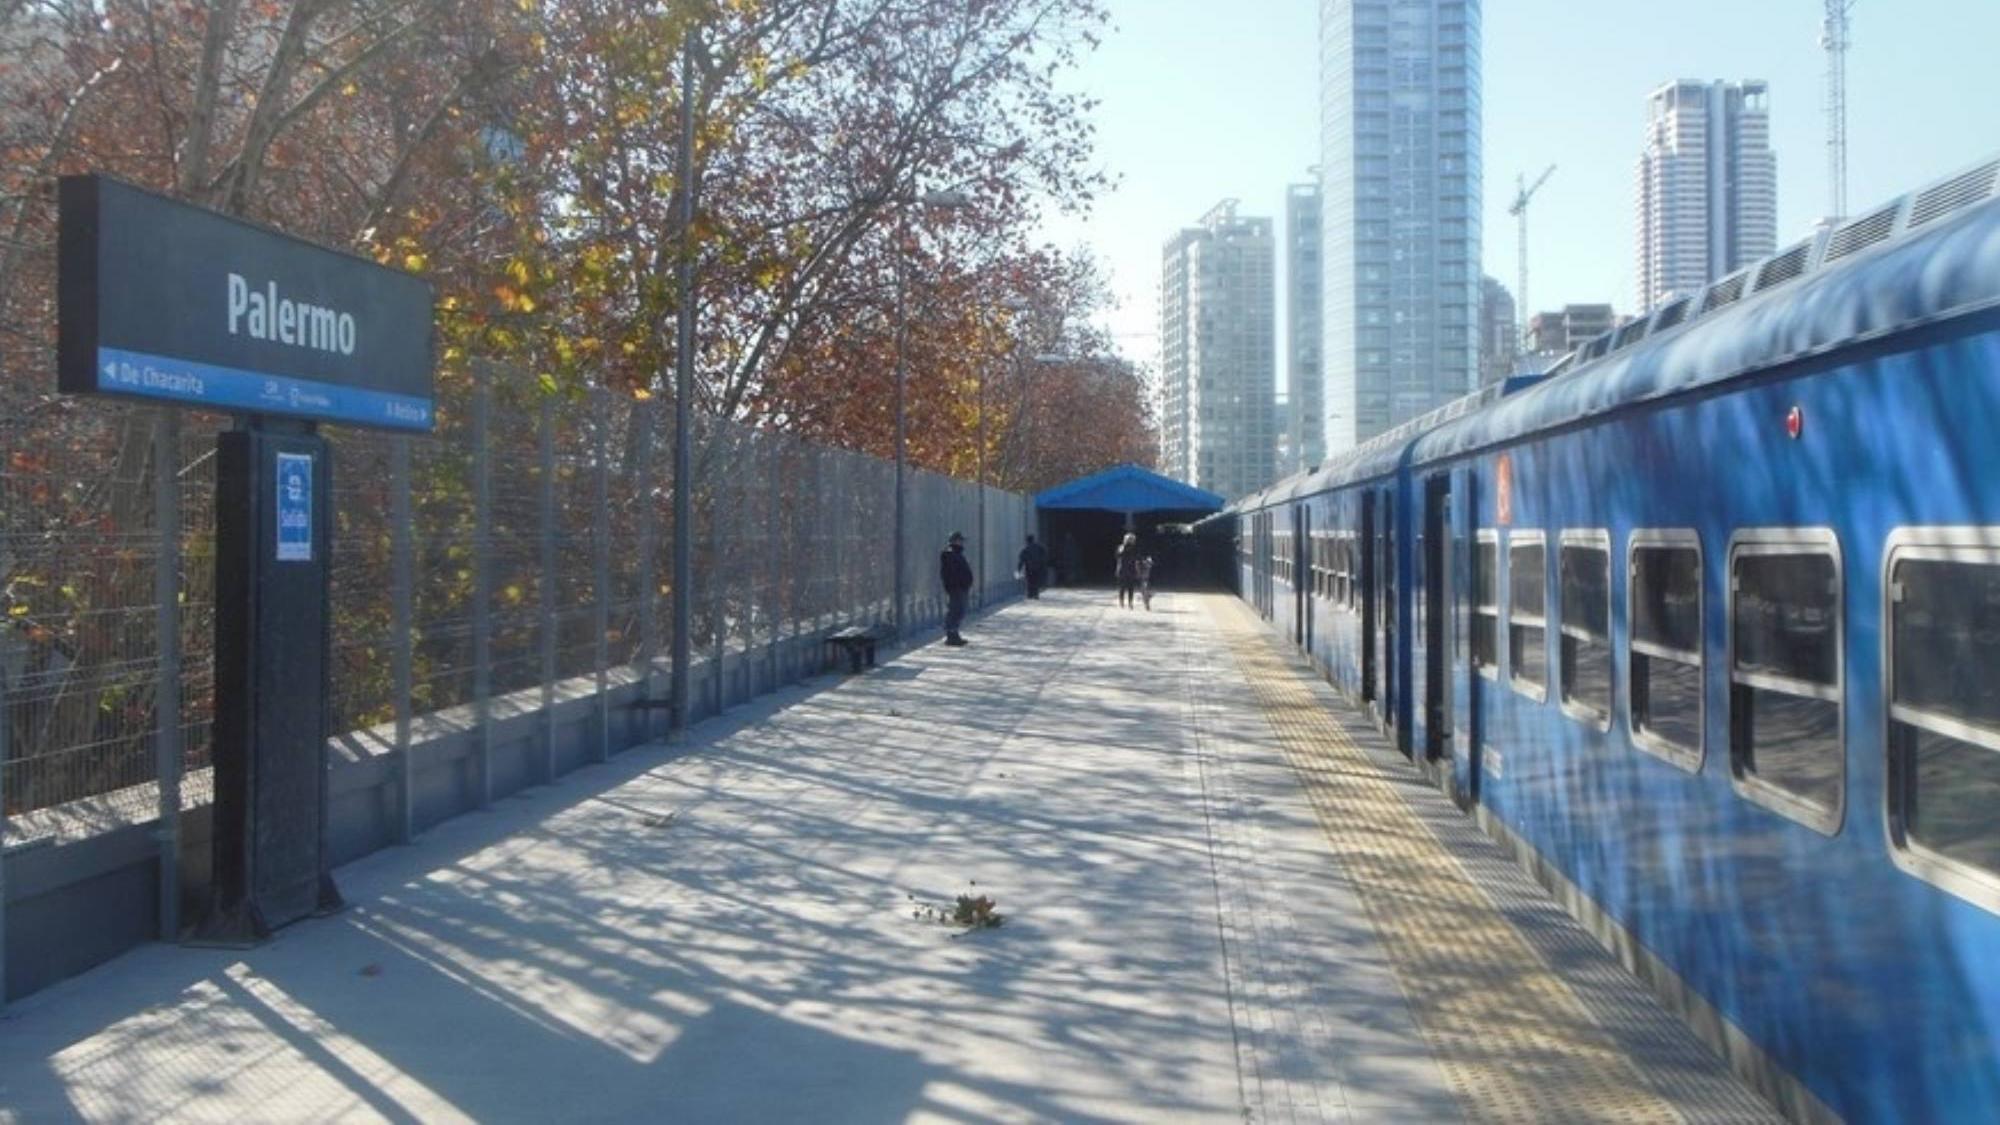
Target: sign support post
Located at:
point(169, 303)
point(167, 691)
point(273, 525)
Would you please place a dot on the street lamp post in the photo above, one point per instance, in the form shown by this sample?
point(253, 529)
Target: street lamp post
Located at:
point(939, 199)
point(683, 390)
point(902, 453)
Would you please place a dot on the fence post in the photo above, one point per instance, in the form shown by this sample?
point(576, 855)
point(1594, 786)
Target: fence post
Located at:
point(773, 549)
point(402, 606)
point(717, 582)
point(6, 725)
point(600, 457)
point(482, 571)
point(545, 583)
point(833, 479)
point(167, 693)
point(649, 579)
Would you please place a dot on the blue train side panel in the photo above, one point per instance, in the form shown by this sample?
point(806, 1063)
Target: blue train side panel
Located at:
point(1877, 990)
point(1842, 404)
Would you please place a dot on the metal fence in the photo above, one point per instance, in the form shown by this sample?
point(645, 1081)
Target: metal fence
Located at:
point(524, 548)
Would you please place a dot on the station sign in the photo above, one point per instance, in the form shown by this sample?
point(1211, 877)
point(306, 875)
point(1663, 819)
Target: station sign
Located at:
point(164, 301)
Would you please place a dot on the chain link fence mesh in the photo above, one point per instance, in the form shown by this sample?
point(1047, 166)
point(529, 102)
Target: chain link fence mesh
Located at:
point(791, 541)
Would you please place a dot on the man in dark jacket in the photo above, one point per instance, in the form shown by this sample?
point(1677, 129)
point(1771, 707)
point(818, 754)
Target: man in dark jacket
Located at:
point(1035, 566)
point(956, 574)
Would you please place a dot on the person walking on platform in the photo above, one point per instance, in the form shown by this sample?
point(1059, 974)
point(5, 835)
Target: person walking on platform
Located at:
point(956, 574)
point(1035, 566)
point(1128, 569)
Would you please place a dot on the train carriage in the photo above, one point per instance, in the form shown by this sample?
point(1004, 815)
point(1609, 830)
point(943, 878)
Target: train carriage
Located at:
point(1707, 624)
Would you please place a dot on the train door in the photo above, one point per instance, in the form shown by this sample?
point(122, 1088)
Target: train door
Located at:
point(1258, 561)
point(1437, 615)
point(1385, 569)
point(1368, 596)
point(1303, 577)
point(1271, 566)
point(1479, 585)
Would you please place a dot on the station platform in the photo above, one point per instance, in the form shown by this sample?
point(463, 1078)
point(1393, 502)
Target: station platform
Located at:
point(1223, 898)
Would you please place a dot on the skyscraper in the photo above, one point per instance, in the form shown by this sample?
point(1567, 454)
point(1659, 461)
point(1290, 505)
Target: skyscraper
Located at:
point(1306, 404)
point(1499, 339)
point(1400, 183)
point(1218, 353)
point(1708, 186)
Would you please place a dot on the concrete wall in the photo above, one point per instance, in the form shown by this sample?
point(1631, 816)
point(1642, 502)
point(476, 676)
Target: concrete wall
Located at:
point(77, 897)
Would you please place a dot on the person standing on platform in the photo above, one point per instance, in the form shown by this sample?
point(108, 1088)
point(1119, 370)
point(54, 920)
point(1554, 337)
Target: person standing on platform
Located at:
point(956, 574)
point(1035, 567)
point(1128, 569)
point(1146, 581)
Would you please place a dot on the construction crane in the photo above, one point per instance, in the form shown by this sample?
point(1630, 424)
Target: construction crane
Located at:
point(1833, 37)
point(1523, 192)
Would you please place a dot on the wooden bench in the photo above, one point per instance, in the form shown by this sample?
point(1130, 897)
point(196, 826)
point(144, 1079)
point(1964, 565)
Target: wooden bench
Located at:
point(858, 642)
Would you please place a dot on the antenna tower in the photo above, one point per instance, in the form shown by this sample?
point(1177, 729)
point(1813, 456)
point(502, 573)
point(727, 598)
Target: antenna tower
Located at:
point(1833, 36)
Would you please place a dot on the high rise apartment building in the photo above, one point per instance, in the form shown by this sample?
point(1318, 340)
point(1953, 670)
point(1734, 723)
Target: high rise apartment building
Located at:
point(1557, 333)
point(1218, 354)
point(1400, 185)
point(1305, 414)
point(1707, 186)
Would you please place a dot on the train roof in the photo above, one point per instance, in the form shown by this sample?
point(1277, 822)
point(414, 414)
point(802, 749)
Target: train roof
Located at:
point(1929, 255)
point(1381, 454)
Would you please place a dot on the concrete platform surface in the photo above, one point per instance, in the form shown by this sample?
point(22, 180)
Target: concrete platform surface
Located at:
point(732, 930)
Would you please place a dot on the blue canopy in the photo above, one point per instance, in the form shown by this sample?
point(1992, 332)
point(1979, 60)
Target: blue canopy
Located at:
point(1128, 488)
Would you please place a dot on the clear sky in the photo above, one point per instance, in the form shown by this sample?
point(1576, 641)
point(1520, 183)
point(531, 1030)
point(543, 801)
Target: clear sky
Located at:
point(1210, 99)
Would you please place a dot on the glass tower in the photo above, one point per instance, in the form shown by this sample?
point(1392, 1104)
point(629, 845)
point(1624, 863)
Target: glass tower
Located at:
point(1708, 186)
point(1218, 353)
point(1306, 406)
point(1399, 187)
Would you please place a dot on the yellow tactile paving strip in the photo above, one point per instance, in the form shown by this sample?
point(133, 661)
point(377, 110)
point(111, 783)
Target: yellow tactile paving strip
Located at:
point(1513, 1040)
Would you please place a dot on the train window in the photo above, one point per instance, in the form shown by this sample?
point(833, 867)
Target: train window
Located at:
point(1333, 564)
point(1785, 742)
point(1338, 566)
point(1527, 613)
point(1583, 568)
point(1664, 660)
point(1333, 567)
point(1350, 577)
point(1943, 629)
point(1417, 585)
point(1486, 604)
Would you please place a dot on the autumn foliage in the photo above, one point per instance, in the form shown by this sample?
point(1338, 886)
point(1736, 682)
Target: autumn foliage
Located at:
point(869, 178)
point(524, 155)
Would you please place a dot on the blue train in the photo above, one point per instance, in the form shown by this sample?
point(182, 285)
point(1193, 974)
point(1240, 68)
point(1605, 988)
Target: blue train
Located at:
point(1706, 623)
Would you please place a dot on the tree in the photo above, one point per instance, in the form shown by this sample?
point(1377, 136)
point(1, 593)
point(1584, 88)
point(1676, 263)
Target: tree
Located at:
point(522, 155)
point(322, 116)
